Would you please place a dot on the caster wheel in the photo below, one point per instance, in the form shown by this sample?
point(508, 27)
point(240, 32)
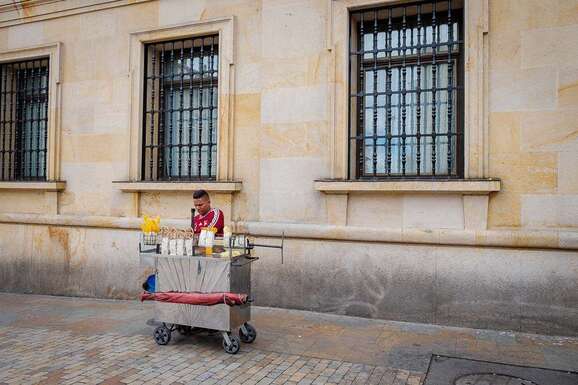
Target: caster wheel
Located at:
point(247, 333)
point(234, 346)
point(162, 335)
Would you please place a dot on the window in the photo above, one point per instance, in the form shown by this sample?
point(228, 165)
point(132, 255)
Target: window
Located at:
point(406, 82)
point(180, 110)
point(23, 120)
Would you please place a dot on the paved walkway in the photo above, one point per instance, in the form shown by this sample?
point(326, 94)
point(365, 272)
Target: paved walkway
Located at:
point(59, 340)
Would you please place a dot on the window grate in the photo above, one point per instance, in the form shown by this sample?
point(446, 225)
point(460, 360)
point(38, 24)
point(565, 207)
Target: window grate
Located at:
point(406, 91)
point(180, 114)
point(23, 120)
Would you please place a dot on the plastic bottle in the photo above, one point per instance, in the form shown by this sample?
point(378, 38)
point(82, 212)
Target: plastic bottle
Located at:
point(226, 236)
point(210, 240)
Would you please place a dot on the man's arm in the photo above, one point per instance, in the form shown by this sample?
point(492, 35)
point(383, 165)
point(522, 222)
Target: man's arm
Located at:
point(218, 221)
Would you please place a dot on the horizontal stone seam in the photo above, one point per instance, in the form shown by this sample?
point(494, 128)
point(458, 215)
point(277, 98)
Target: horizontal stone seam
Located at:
point(531, 239)
point(228, 187)
point(68, 12)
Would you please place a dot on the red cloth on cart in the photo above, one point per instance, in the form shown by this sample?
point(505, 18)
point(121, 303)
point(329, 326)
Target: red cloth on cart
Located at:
point(206, 299)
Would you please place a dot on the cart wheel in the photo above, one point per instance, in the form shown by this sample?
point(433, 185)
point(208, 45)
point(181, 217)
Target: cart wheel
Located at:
point(162, 335)
point(250, 334)
point(234, 346)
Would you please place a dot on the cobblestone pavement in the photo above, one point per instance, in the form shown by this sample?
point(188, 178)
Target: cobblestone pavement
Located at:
point(60, 340)
point(41, 356)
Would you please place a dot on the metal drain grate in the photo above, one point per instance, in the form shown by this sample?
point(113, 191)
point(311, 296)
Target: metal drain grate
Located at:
point(460, 371)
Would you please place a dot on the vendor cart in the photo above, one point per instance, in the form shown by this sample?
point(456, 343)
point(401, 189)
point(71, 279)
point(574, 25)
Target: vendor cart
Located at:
point(226, 272)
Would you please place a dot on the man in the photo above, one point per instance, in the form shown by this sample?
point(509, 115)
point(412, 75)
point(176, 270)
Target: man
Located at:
point(206, 216)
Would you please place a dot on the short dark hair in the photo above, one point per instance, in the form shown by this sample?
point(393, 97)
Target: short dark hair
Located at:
point(199, 194)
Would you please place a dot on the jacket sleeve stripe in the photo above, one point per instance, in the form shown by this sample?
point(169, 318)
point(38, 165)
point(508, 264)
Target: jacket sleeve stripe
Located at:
point(215, 218)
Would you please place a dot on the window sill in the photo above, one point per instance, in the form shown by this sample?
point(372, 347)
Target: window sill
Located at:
point(217, 187)
point(33, 186)
point(463, 186)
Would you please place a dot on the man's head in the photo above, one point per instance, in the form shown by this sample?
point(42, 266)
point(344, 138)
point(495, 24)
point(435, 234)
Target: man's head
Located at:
point(202, 201)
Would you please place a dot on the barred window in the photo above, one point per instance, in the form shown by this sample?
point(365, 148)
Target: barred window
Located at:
point(23, 120)
point(180, 113)
point(406, 107)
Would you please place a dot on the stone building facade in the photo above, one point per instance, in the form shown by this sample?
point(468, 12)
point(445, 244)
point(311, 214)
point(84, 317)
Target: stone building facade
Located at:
point(293, 145)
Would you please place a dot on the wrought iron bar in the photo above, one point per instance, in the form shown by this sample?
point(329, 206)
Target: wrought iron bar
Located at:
point(388, 89)
point(11, 123)
point(46, 70)
point(434, 85)
point(19, 150)
point(190, 109)
point(31, 121)
point(181, 104)
point(413, 118)
point(23, 77)
point(170, 109)
point(418, 94)
point(201, 108)
point(160, 159)
point(403, 94)
point(450, 91)
point(153, 53)
point(183, 72)
point(23, 100)
point(407, 91)
point(409, 47)
point(393, 136)
point(210, 136)
point(3, 112)
point(31, 124)
point(36, 133)
point(361, 145)
point(375, 32)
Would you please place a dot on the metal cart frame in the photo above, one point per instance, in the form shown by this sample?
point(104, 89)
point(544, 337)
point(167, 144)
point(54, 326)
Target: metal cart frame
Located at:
point(204, 274)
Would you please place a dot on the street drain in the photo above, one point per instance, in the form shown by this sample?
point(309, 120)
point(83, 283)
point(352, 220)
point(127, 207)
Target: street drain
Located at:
point(460, 371)
point(491, 378)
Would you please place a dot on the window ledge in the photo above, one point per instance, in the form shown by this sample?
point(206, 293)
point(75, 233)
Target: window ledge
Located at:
point(37, 186)
point(464, 186)
point(218, 187)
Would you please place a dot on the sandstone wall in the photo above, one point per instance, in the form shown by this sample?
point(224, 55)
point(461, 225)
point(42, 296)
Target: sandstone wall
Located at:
point(507, 259)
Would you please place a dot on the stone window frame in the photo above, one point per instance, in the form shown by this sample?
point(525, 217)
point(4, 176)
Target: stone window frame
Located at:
point(476, 185)
point(224, 27)
point(173, 82)
point(399, 159)
point(224, 183)
point(475, 86)
point(53, 184)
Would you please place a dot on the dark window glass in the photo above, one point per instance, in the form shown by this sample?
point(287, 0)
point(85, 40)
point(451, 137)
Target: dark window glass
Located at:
point(180, 114)
point(406, 91)
point(23, 120)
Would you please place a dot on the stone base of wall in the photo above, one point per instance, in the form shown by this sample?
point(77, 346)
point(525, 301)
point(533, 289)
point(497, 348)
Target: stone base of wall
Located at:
point(497, 288)
point(73, 261)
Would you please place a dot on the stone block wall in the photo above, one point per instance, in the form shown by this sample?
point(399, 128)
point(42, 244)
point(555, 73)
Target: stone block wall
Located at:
point(532, 113)
point(505, 259)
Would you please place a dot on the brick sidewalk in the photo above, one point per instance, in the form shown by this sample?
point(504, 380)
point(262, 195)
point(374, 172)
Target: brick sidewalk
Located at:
point(60, 340)
point(42, 356)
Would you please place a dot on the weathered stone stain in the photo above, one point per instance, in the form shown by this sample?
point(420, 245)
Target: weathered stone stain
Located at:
point(27, 9)
point(61, 236)
point(531, 94)
point(117, 293)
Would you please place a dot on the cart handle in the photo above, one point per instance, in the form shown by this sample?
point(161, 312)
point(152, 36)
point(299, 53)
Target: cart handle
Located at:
point(252, 245)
